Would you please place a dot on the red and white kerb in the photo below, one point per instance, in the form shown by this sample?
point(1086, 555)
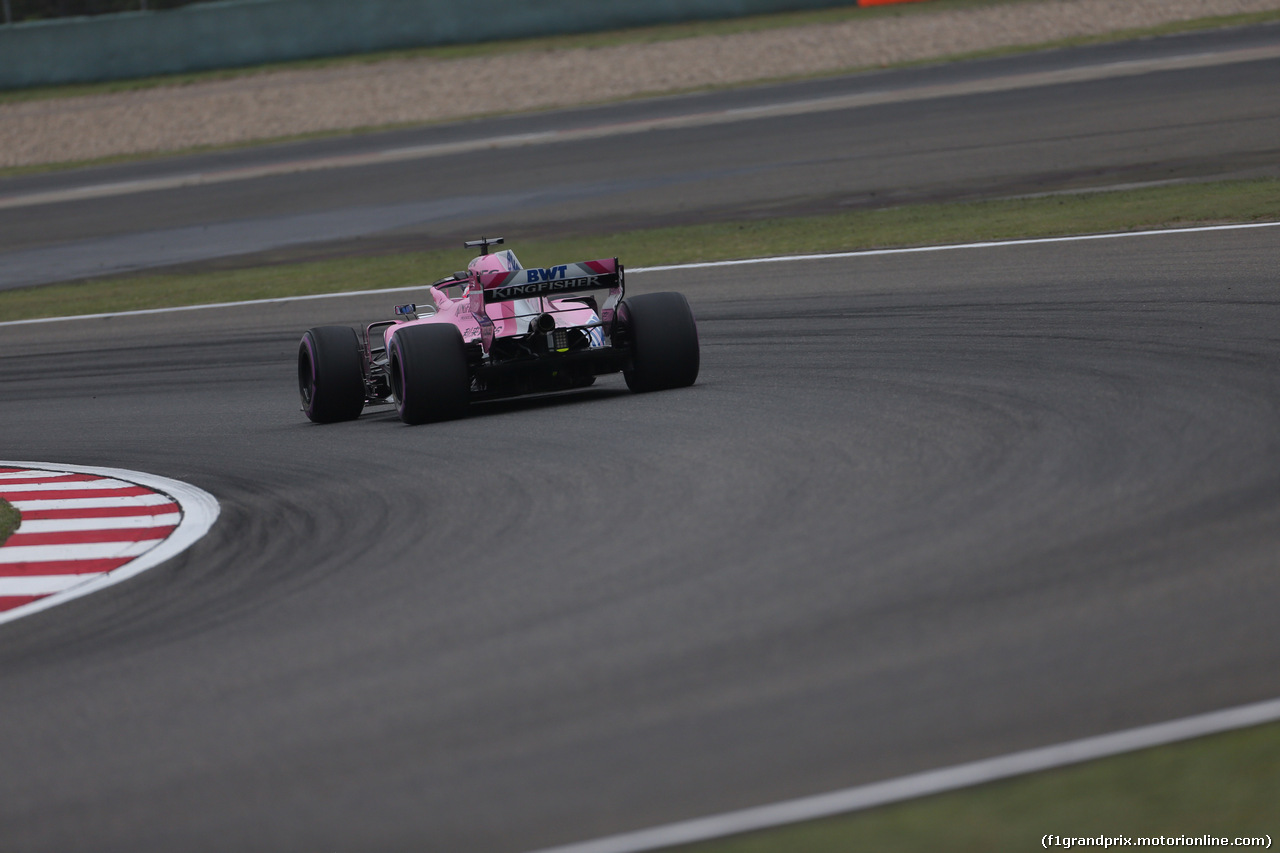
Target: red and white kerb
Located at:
point(85, 528)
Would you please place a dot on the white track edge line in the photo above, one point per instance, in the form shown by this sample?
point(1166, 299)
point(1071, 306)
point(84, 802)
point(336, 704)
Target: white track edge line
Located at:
point(199, 510)
point(929, 782)
point(848, 101)
point(990, 244)
point(862, 253)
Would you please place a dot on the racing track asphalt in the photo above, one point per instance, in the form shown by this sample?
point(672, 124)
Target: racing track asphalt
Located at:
point(919, 509)
point(1097, 126)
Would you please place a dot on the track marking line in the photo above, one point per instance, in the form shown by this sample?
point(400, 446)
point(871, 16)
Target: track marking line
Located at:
point(10, 554)
point(34, 504)
point(124, 490)
point(94, 535)
point(78, 566)
point(41, 584)
point(929, 782)
point(118, 510)
point(9, 487)
point(124, 522)
point(783, 109)
point(67, 546)
point(989, 244)
point(862, 253)
point(9, 480)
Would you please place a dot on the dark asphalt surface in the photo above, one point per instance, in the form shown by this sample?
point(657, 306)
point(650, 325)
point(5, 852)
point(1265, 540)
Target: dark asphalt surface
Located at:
point(1214, 122)
point(918, 510)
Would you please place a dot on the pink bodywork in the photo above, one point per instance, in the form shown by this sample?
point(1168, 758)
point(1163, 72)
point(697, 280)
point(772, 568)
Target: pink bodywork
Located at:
point(477, 320)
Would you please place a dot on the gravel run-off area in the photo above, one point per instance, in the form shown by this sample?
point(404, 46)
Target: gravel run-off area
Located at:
point(275, 104)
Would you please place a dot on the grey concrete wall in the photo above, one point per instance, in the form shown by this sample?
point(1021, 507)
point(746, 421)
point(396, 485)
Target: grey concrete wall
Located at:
point(250, 32)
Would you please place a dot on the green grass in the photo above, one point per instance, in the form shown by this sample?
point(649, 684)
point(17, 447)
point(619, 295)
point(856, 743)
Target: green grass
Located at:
point(10, 518)
point(909, 225)
point(587, 40)
point(1226, 785)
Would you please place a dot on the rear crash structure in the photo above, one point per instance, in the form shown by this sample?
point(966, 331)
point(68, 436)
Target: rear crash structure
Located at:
point(498, 329)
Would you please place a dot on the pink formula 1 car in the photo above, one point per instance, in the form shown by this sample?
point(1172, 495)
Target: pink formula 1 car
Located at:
point(498, 330)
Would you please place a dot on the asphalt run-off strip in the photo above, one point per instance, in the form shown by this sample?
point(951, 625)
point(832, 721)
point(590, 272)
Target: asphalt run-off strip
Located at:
point(1003, 83)
point(84, 529)
point(863, 253)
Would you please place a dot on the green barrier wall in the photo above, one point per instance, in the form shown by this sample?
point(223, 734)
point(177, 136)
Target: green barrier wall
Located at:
point(251, 32)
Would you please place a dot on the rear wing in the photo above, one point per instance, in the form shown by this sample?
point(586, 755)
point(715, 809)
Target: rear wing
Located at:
point(502, 286)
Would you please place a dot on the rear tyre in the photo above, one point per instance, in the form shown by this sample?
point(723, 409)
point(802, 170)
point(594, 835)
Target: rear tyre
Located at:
point(663, 337)
point(428, 367)
point(331, 374)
